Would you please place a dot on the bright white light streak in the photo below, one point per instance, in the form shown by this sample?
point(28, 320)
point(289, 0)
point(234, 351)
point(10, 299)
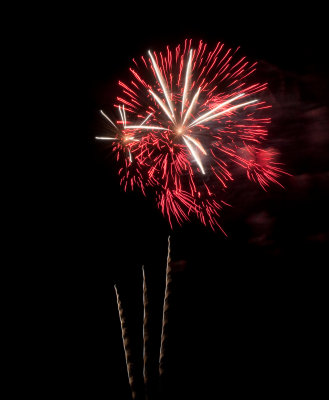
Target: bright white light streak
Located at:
point(188, 112)
point(215, 109)
point(194, 154)
point(105, 138)
point(130, 157)
point(198, 144)
point(146, 118)
point(159, 76)
point(226, 111)
point(104, 115)
point(124, 115)
point(121, 114)
point(165, 109)
point(142, 127)
point(187, 78)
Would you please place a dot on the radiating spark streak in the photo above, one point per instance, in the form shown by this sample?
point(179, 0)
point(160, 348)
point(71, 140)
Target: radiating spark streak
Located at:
point(130, 157)
point(225, 111)
point(160, 79)
point(188, 112)
point(195, 155)
point(104, 115)
point(142, 127)
point(126, 139)
point(121, 114)
point(124, 116)
point(187, 77)
point(105, 138)
point(165, 109)
point(215, 109)
point(146, 118)
point(198, 144)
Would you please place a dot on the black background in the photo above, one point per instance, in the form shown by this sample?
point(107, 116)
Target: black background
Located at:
point(248, 311)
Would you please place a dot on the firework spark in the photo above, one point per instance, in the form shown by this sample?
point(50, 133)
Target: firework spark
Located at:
point(195, 113)
point(124, 143)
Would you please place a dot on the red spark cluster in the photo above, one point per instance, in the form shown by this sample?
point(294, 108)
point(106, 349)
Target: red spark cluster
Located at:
point(187, 116)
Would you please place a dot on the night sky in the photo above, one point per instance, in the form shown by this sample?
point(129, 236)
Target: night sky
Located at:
point(248, 310)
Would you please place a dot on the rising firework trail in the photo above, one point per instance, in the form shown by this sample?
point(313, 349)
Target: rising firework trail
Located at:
point(196, 113)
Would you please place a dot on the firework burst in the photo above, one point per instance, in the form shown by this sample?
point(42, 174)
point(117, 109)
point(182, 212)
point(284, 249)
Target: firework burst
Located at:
point(195, 113)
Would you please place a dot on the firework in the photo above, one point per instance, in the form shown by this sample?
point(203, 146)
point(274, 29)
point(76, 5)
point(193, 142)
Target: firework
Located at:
point(194, 113)
point(124, 143)
point(261, 166)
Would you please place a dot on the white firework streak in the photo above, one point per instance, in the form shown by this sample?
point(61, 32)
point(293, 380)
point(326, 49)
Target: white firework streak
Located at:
point(105, 138)
point(123, 115)
point(165, 109)
point(146, 127)
point(195, 122)
point(188, 112)
point(223, 112)
point(162, 84)
point(122, 119)
point(150, 115)
point(194, 154)
point(196, 143)
point(104, 115)
point(187, 79)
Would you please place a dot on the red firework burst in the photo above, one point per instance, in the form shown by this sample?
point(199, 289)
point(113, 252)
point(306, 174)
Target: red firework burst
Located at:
point(194, 113)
